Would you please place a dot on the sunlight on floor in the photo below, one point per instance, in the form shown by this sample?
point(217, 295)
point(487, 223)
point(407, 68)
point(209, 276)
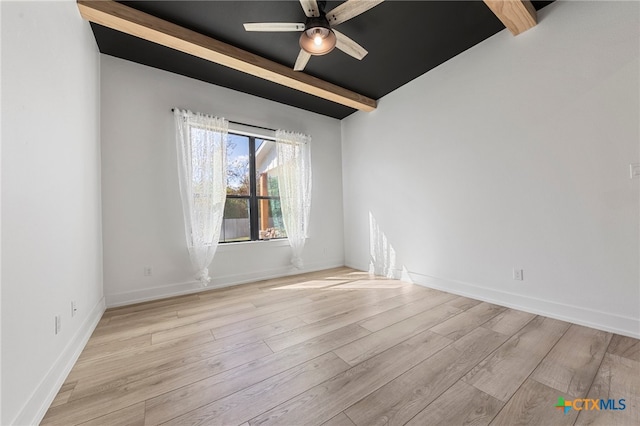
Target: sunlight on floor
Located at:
point(372, 282)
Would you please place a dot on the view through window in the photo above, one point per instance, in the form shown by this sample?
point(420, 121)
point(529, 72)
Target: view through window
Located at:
point(252, 210)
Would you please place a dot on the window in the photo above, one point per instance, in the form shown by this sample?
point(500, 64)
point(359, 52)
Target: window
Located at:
point(252, 211)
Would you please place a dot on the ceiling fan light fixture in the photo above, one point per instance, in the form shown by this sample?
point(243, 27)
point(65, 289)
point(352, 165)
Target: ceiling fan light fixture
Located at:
point(317, 38)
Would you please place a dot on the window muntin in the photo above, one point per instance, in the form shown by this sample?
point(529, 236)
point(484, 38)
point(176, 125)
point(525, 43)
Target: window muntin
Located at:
point(252, 210)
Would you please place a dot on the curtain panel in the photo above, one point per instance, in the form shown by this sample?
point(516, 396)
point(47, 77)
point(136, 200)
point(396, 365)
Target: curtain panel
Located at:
point(201, 142)
point(294, 181)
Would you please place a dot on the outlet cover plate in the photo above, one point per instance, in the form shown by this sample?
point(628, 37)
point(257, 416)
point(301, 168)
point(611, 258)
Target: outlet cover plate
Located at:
point(518, 274)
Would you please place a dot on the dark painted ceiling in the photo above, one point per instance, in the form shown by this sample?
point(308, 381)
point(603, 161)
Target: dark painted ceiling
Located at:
point(405, 39)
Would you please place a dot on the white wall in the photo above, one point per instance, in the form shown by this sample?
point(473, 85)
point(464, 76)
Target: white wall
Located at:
point(515, 153)
point(142, 216)
point(51, 234)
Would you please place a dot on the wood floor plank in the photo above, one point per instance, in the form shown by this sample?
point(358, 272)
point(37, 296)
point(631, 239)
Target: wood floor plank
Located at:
point(251, 292)
point(461, 324)
point(129, 416)
point(356, 275)
point(573, 362)
point(243, 321)
point(533, 404)
point(335, 310)
point(283, 285)
point(263, 396)
point(617, 379)
point(250, 324)
point(275, 283)
point(217, 300)
point(377, 284)
point(463, 303)
point(381, 340)
point(259, 293)
point(402, 398)
point(144, 367)
point(311, 284)
point(509, 322)
point(122, 332)
point(117, 398)
point(195, 306)
point(176, 300)
point(264, 332)
point(68, 385)
point(233, 291)
point(235, 307)
point(257, 317)
point(323, 402)
point(332, 291)
point(626, 347)
point(103, 321)
point(339, 420)
point(339, 273)
point(148, 312)
point(461, 404)
point(91, 353)
point(140, 318)
point(198, 394)
point(269, 297)
point(357, 313)
point(505, 370)
point(129, 358)
point(392, 316)
point(61, 398)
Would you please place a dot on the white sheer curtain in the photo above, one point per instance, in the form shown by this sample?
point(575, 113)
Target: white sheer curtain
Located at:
point(202, 169)
point(294, 182)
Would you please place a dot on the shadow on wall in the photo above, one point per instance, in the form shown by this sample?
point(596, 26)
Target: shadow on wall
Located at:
point(382, 255)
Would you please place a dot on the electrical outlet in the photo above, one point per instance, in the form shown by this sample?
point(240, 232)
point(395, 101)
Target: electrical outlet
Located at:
point(74, 308)
point(518, 274)
point(58, 321)
point(147, 271)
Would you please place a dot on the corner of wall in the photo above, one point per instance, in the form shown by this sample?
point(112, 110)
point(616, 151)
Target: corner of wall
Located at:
point(38, 403)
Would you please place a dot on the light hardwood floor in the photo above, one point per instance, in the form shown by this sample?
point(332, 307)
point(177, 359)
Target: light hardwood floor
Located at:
point(340, 347)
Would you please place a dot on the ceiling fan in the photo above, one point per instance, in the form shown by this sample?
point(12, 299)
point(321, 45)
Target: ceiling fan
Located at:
point(318, 35)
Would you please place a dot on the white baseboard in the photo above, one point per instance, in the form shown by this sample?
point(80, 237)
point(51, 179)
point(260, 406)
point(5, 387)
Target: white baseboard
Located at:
point(605, 321)
point(40, 400)
point(154, 293)
point(600, 320)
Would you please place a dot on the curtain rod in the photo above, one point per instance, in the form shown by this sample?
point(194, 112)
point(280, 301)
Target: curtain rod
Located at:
point(244, 124)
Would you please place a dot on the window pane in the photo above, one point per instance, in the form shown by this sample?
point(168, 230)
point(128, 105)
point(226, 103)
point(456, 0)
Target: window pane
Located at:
point(235, 223)
point(270, 219)
point(237, 165)
point(266, 168)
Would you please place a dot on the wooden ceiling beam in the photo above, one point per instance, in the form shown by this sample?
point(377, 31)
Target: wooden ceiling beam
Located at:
point(517, 15)
point(125, 19)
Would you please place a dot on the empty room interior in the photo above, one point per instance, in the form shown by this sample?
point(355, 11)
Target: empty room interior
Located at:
point(352, 213)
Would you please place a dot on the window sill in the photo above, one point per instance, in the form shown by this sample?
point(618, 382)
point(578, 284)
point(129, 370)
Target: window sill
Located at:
point(280, 242)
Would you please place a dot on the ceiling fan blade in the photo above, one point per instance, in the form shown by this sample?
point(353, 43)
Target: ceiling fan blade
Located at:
point(310, 8)
point(301, 62)
point(274, 26)
point(349, 46)
point(350, 9)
